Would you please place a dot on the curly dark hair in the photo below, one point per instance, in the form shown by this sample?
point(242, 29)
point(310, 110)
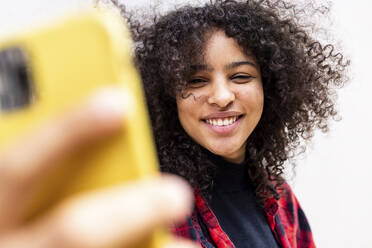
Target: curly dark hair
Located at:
point(299, 75)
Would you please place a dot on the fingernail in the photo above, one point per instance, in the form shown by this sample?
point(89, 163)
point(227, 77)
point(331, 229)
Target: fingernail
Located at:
point(113, 102)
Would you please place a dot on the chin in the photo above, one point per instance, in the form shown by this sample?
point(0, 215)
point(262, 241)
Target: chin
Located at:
point(227, 154)
point(230, 152)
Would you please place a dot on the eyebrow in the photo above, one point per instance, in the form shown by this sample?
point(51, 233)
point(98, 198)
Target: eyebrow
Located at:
point(203, 67)
point(240, 63)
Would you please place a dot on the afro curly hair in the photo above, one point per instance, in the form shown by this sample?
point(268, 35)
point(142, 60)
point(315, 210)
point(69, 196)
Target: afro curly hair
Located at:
point(299, 75)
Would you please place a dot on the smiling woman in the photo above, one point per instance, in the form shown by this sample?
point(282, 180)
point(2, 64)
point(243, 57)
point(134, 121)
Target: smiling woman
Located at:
point(233, 87)
point(227, 102)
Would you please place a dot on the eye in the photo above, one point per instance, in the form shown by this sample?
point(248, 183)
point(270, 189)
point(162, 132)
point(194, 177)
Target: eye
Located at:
point(197, 82)
point(241, 78)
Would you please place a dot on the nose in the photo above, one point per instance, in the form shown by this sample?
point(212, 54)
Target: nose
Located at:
point(221, 93)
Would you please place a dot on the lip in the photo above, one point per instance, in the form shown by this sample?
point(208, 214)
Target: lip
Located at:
point(226, 114)
point(224, 130)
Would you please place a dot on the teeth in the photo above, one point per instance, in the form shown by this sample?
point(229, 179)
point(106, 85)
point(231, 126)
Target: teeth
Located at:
point(222, 122)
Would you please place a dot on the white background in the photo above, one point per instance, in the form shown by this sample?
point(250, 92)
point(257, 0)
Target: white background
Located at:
point(333, 178)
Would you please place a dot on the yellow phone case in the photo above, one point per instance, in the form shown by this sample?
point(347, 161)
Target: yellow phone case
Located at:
point(66, 62)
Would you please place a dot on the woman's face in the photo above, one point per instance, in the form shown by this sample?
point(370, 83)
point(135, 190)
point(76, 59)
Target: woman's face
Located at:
point(224, 100)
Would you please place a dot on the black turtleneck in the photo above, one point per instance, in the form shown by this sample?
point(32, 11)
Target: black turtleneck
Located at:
point(234, 204)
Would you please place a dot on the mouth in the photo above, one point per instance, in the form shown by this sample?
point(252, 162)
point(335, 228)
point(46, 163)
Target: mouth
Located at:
point(220, 122)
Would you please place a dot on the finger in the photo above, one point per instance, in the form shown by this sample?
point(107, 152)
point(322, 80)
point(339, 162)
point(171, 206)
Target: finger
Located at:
point(125, 214)
point(113, 217)
point(26, 162)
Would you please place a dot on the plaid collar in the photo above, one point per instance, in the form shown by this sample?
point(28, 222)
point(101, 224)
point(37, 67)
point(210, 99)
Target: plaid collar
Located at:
point(285, 217)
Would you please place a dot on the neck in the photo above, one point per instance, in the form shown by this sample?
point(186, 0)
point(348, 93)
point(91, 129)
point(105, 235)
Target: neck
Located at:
point(235, 158)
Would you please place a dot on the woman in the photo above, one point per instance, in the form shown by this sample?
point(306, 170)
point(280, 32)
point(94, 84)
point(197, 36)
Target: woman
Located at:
point(234, 88)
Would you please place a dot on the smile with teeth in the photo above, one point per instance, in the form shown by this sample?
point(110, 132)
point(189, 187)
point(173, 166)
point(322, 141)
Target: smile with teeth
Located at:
point(222, 121)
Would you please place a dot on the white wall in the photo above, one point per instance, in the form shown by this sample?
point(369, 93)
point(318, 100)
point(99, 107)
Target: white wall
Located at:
point(333, 180)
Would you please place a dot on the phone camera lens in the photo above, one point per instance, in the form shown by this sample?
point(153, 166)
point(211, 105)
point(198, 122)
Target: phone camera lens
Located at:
point(15, 83)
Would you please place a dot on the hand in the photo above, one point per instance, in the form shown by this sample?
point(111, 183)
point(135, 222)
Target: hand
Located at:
point(117, 216)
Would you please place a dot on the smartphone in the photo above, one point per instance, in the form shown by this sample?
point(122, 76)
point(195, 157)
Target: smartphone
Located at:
point(45, 71)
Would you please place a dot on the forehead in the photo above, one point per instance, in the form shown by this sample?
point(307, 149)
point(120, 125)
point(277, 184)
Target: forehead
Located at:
point(219, 39)
point(218, 47)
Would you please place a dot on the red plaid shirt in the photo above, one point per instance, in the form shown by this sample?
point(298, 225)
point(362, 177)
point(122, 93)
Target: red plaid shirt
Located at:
point(285, 216)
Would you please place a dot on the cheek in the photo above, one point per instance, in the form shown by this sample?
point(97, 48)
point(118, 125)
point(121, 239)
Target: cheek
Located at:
point(186, 111)
point(252, 99)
